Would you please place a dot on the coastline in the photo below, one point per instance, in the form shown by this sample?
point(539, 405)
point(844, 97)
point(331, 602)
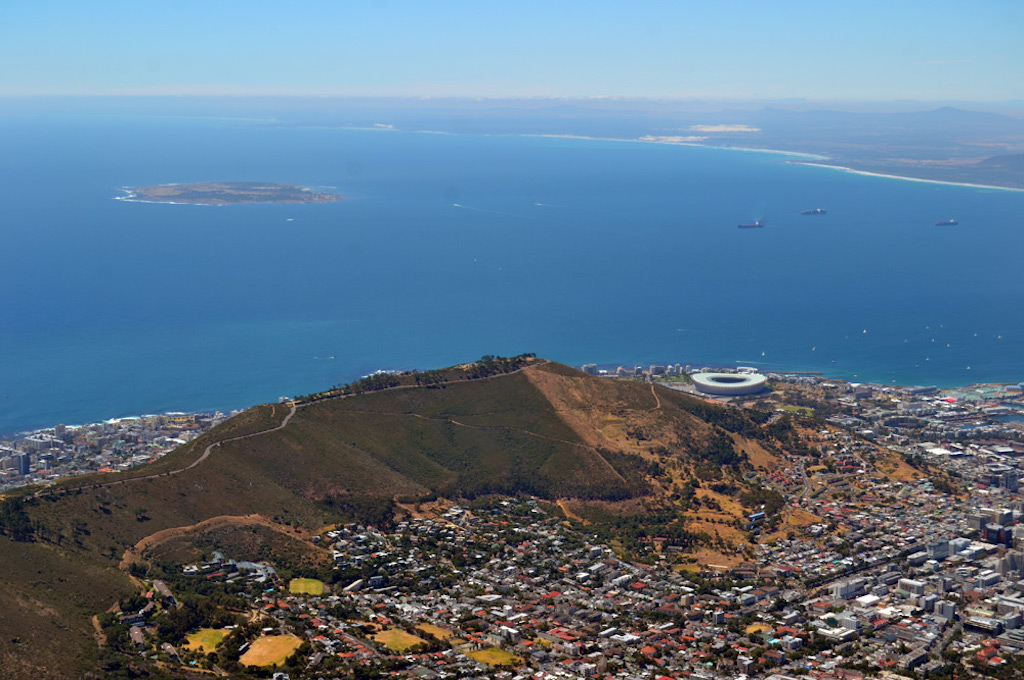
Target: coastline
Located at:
point(132, 197)
point(118, 420)
point(781, 152)
point(868, 173)
point(589, 138)
point(648, 139)
point(665, 142)
point(126, 199)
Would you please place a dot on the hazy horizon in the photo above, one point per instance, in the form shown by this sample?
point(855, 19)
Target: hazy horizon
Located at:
point(736, 51)
point(1010, 107)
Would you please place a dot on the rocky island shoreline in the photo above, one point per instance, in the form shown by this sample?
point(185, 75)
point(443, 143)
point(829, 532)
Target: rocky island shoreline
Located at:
point(226, 193)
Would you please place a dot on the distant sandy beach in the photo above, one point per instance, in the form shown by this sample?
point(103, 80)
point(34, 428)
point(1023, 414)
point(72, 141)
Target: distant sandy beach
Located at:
point(904, 177)
point(671, 141)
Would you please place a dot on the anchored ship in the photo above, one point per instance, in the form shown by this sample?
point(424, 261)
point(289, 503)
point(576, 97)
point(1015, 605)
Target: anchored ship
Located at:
point(814, 211)
point(755, 225)
point(945, 223)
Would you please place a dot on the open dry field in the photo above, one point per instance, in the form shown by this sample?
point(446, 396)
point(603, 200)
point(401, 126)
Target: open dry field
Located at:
point(306, 586)
point(398, 640)
point(436, 631)
point(895, 468)
point(492, 656)
point(270, 650)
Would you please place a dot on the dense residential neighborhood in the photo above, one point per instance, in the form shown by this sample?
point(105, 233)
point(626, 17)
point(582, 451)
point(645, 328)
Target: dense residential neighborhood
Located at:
point(50, 454)
point(505, 589)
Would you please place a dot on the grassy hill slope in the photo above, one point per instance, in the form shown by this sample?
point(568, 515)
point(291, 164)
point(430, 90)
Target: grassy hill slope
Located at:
point(47, 599)
point(608, 447)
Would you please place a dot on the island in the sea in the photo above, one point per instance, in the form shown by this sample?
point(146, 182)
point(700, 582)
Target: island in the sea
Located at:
point(226, 193)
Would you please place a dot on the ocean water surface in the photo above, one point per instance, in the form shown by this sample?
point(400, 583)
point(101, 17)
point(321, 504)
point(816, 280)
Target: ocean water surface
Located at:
point(450, 247)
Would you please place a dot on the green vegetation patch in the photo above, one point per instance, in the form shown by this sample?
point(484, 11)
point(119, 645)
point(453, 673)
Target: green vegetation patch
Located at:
point(492, 656)
point(206, 640)
point(397, 640)
point(306, 586)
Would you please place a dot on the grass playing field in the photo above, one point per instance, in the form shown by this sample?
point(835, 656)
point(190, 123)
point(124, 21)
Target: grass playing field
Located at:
point(270, 650)
point(307, 586)
point(492, 656)
point(205, 640)
point(398, 640)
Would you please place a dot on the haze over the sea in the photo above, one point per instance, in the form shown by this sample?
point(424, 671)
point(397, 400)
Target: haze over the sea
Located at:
point(449, 247)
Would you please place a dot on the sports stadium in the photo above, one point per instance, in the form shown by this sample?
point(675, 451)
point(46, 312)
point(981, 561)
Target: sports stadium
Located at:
point(729, 384)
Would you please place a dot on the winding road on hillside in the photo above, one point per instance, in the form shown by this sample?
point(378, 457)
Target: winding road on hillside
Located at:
point(168, 473)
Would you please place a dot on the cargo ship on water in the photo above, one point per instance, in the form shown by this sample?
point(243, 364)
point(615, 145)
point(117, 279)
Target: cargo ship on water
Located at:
point(946, 223)
point(754, 225)
point(814, 211)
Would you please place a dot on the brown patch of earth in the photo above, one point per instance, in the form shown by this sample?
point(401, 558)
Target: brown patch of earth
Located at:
point(711, 559)
point(426, 510)
point(760, 457)
point(797, 520)
point(137, 552)
point(895, 468)
point(567, 511)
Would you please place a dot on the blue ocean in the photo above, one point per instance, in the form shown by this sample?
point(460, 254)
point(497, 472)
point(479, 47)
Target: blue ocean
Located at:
point(450, 247)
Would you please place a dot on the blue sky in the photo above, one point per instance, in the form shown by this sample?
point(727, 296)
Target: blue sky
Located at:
point(826, 50)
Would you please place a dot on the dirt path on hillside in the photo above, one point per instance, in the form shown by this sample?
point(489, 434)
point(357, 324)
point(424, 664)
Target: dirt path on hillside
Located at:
point(656, 398)
point(101, 637)
point(157, 539)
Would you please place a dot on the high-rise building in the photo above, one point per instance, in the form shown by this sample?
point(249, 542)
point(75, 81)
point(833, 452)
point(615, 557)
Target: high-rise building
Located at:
point(23, 463)
point(977, 521)
point(1002, 516)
